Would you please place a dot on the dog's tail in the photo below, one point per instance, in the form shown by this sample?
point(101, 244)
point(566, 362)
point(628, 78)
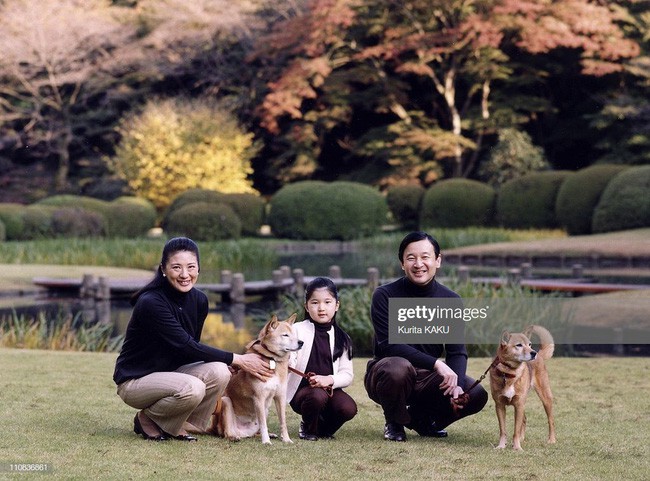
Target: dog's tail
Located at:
point(547, 344)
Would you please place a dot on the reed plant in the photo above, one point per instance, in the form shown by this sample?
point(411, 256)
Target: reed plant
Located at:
point(65, 333)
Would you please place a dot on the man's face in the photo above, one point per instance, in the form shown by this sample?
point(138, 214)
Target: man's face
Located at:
point(420, 263)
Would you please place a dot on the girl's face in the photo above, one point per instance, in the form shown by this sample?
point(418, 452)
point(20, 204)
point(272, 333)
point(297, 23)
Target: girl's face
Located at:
point(182, 270)
point(321, 305)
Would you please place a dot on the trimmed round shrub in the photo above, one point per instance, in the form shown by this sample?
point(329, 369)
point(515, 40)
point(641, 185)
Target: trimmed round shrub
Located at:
point(37, 222)
point(404, 203)
point(250, 208)
point(327, 211)
point(11, 216)
point(203, 221)
point(625, 203)
point(74, 222)
point(457, 203)
point(130, 217)
point(125, 217)
point(579, 195)
point(77, 201)
point(529, 201)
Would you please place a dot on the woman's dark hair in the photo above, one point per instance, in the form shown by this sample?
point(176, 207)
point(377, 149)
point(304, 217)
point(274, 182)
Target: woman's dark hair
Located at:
point(342, 341)
point(172, 246)
point(416, 237)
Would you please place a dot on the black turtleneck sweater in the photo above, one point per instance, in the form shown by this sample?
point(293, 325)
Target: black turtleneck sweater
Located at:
point(420, 355)
point(163, 334)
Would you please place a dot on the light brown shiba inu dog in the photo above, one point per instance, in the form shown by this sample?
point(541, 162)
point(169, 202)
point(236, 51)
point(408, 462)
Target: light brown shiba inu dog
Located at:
point(244, 407)
point(516, 369)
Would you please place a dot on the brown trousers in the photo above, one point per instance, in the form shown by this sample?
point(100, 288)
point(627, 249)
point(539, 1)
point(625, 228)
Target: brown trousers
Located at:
point(411, 396)
point(323, 415)
point(171, 398)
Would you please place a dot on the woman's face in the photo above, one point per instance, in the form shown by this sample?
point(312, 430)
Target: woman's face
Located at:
point(182, 270)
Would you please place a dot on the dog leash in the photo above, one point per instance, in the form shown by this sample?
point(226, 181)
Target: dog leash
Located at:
point(461, 401)
point(328, 389)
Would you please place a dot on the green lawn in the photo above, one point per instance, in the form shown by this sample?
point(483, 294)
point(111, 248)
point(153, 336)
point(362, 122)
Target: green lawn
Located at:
point(61, 408)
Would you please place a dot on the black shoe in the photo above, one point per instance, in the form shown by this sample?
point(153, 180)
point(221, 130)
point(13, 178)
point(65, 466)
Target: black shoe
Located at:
point(186, 437)
point(303, 435)
point(430, 431)
point(137, 429)
point(394, 432)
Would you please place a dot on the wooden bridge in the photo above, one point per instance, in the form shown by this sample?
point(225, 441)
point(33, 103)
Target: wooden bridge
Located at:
point(233, 288)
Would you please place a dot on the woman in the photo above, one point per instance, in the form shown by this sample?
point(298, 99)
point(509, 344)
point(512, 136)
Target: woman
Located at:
point(327, 357)
point(163, 370)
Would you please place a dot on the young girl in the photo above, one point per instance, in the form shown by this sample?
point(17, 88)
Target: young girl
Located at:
point(327, 355)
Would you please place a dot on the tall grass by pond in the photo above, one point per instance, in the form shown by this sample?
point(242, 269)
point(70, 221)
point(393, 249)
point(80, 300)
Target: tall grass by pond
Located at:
point(68, 333)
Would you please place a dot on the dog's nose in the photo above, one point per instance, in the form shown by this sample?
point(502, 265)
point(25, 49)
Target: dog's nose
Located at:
point(533, 354)
point(300, 343)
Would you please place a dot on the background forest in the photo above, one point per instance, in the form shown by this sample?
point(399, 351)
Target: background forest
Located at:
point(104, 98)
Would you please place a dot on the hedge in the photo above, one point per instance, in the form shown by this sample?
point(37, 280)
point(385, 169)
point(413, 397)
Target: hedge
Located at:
point(11, 215)
point(327, 211)
point(625, 203)
point(458, 203)
point(404, 203)
point(204, 221)
point(529, 201)
point(124, 216)
point(579, 194)
point(249, 208)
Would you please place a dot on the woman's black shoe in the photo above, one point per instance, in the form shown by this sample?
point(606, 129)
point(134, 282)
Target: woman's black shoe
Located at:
point(186, 437)
point(137, 428)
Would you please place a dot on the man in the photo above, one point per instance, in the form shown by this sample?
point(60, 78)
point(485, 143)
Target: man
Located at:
point(411, 382)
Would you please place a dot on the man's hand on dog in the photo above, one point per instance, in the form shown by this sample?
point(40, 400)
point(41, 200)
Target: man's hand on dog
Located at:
point(253, 364)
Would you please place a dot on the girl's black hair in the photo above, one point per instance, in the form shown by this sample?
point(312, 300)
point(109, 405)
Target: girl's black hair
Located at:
point(172, 246)
point(342, 341)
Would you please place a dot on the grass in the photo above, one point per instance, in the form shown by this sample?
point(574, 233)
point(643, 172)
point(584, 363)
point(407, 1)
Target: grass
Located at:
point(61, 408)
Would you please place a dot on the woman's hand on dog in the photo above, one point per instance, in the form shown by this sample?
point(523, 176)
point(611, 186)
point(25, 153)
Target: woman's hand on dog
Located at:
point(253, 364)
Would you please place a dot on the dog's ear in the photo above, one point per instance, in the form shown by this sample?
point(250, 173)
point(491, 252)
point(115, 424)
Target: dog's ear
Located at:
point(292, 319)
point(505, 337)
point(273, 323)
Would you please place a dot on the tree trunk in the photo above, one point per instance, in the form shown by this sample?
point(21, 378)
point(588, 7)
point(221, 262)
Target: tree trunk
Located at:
point(63, 151)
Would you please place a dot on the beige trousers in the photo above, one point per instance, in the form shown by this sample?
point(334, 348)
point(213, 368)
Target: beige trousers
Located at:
point(171, 398)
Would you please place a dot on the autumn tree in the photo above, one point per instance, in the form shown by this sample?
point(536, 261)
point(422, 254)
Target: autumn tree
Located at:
point(178, 144)
point(49, 49)
point(431, 66)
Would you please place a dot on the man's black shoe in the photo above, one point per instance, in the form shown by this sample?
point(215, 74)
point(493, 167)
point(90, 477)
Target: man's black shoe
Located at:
point(394, 432)
point(430, 430)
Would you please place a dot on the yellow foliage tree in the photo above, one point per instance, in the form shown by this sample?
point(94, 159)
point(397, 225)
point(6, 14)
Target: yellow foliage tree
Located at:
point(177, 144)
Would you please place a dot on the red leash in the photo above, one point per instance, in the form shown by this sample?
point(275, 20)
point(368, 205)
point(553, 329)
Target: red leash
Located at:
point(328, 389)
